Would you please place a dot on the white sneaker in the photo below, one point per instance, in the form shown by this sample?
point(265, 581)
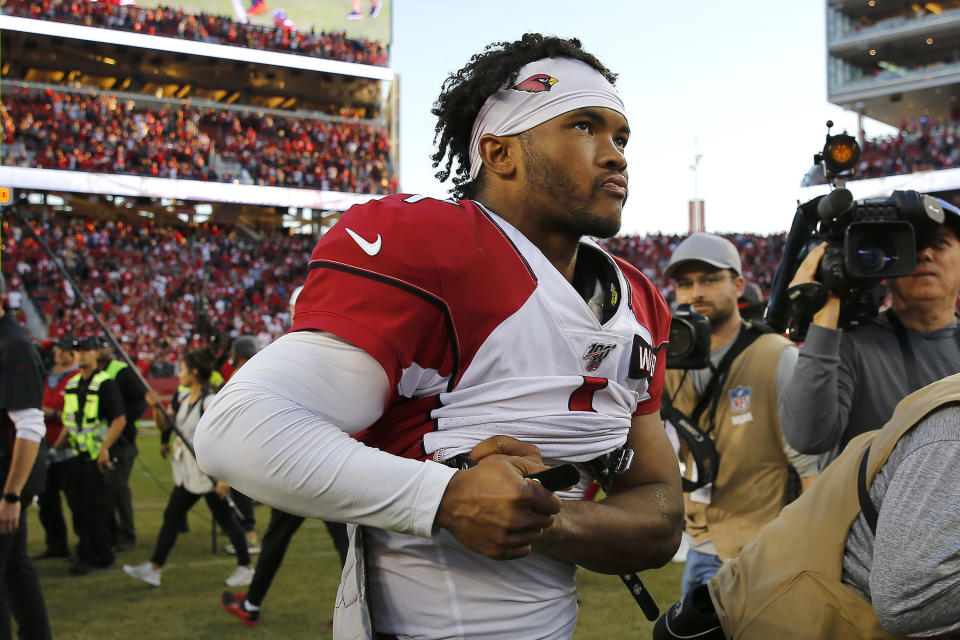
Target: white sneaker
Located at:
point(144, 572)
point(241, 577)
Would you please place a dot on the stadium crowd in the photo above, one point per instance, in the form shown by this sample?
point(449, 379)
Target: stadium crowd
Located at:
point(102, 133)
point(146, 278)
point(175, 22)
point(146, 282)
point(918, 146)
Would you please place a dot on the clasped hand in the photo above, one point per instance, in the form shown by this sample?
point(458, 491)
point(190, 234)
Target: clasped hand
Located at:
point(491, 508)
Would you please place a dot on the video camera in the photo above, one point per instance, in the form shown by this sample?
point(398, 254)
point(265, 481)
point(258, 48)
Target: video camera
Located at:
point(868, 241)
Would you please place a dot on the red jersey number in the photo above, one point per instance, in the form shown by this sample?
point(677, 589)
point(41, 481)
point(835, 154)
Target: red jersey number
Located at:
point(582, 397)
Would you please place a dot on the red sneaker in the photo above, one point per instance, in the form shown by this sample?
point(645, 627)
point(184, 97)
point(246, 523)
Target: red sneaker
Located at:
point(233, 602)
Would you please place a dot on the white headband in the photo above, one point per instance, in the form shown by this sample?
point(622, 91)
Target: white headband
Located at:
point(544, 89)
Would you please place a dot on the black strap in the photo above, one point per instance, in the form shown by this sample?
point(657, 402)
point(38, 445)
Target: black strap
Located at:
point(749, 332)
point(867, 508)
point(909, 360)
point(701, 446)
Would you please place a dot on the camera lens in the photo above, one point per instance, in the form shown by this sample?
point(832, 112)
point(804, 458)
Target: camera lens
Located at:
point(682, 339)
point(875, 253)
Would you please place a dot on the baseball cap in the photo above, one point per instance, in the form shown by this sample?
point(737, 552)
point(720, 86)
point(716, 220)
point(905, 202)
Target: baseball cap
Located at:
point(704, 247)
point(88, 343)
point(68, 342)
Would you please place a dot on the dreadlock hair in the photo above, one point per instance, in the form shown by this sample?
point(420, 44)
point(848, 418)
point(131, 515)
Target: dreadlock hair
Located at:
point(464, 92)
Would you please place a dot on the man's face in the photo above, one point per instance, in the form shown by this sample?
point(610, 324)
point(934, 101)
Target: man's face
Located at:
point(87, 358)
point(937, 276)
point(711, 291)
point(64, 357)
point(574, 171)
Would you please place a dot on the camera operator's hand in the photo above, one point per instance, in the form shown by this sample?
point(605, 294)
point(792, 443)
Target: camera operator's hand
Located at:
point(829, 314)
point(491, 508)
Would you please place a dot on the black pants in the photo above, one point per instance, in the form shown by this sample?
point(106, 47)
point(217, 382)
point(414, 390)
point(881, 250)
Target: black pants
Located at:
point(274, 546)
point(180, 502)
point(51, 510)
point(20, 593)
point(122, 531)
point(246, 516)
point(89, 499)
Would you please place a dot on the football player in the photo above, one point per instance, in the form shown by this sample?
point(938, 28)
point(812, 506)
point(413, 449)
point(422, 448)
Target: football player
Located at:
point(465, 344)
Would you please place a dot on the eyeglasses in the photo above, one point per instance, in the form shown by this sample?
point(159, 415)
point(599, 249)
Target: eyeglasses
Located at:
point(704, 281)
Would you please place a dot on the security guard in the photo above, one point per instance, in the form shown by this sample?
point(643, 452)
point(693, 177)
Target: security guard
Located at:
point(93, 417)
point(123, 535)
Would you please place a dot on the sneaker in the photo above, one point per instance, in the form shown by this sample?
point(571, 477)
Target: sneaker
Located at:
point(233, 602)
point(144, 572)
point(354, 15)
point(241, 577)
point(252, 547)
point(375, 9)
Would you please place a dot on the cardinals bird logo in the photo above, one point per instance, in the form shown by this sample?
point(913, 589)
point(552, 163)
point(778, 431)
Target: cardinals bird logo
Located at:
point(533, 84)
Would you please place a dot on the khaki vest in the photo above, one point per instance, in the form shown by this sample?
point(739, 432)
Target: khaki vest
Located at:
point(787, 584)
point(751, 483)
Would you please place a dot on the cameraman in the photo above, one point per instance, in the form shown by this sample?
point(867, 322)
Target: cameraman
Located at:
point(847, 382)
point(737, 411)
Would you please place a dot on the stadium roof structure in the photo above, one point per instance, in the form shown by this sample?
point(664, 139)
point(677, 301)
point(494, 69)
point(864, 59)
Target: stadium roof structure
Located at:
point(894, 60)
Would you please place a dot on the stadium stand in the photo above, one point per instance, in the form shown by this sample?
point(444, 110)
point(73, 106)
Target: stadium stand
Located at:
point(178, 23)
point(918, 146)
point(55, 129)
point(145, 280)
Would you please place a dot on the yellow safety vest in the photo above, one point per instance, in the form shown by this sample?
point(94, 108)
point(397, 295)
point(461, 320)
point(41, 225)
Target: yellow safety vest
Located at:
point(114, 368)
point(86, 430)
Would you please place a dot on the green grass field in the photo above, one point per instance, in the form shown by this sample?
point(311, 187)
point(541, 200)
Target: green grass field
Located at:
point(108, 604)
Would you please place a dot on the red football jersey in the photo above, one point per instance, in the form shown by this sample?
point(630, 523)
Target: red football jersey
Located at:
point(480, 335)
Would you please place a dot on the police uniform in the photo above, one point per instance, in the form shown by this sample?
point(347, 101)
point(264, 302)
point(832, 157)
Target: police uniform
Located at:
point(89, 406)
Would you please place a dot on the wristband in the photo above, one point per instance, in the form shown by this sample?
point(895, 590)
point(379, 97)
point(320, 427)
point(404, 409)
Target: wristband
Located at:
point(11, 497)
point(165, 436)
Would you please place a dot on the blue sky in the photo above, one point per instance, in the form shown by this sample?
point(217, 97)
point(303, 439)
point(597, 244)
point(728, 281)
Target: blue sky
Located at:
point(743, 83)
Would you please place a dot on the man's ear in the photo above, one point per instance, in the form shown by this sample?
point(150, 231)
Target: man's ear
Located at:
point(740, 283)
point(499, 154)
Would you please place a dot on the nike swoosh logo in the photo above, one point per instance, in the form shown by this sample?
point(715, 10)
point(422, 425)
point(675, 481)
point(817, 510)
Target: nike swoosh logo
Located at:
point(370, 248)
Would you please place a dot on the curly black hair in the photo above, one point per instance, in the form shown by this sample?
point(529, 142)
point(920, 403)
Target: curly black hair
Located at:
point(465, 91)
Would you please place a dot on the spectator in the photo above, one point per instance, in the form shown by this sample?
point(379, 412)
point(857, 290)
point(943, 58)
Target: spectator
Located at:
point(49, 503)
point(191, 484)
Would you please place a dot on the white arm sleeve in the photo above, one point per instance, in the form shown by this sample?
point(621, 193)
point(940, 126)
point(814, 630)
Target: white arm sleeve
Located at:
point(28, 424)
point(278, 432)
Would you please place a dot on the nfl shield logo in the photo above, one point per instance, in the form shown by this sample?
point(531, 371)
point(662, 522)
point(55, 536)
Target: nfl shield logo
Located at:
point(740, 399)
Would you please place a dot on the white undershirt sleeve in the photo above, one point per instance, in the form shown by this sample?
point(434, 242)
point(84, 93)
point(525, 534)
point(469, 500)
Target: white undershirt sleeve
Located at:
point(279, 432)
point(28, 424)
